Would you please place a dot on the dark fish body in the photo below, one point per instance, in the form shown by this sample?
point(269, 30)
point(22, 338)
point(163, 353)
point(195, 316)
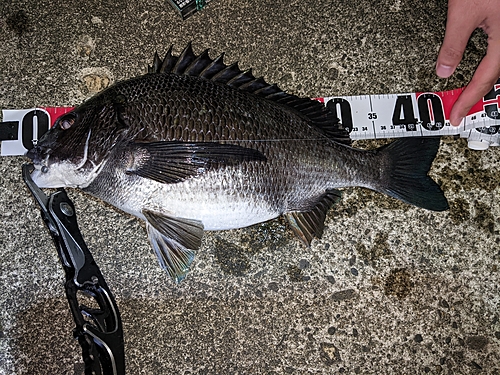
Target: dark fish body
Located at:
point(197, 145)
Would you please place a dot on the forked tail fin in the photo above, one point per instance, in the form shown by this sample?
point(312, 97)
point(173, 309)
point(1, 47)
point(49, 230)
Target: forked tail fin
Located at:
point(408, 161)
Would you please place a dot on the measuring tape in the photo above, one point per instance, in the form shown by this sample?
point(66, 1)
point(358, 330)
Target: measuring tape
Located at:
point(21, 128)
point(367, 116)
point(417, 115)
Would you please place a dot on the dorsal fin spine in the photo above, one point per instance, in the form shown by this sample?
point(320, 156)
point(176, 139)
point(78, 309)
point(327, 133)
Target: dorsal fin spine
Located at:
point(185, 59)
point(168, 62)
point(216, 65)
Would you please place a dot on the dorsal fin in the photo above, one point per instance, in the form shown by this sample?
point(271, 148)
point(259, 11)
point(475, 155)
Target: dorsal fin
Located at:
point(188, 63)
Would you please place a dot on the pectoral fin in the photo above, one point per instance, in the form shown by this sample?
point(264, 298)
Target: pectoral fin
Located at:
point(310, 223)
point(171, 162)
point(174, 240)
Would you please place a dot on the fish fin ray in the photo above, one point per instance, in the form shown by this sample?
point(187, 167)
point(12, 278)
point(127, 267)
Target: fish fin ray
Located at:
point(174, 241)
point(214, 67)
point(227, 74)
point(156, 64)
point(310, 223)
point(241, 78)
point(199, 64)
point(164, 65)
point(188, 63)
point(184, 60)
point(408, 160)
point(172, 162)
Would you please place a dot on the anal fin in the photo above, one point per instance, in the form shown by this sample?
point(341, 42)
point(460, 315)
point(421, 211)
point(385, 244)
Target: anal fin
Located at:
point(309, 224)
point(174, 241)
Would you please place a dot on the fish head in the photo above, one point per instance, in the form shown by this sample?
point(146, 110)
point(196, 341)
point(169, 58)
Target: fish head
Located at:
point(73, 151)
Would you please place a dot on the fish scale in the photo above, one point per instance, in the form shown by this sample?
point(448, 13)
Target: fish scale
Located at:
point(197, 145)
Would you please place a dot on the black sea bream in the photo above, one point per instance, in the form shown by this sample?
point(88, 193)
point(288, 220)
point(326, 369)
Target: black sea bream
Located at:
point(197, 145)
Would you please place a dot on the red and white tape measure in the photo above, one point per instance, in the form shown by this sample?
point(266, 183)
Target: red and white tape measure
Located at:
point(368, 116)
point(31, 125)
point(417, 115)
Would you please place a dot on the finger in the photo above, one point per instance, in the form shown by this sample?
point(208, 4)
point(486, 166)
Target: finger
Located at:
point(459, 27)
point(487, 73)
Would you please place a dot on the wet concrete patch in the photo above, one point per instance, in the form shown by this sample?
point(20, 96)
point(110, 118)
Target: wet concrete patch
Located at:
point(398, 283)
point(232, 259)
point(19, 22)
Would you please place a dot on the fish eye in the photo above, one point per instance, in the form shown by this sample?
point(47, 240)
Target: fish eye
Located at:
point(67, 121)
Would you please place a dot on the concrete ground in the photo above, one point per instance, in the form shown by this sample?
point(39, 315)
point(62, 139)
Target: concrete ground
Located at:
point(389, 289)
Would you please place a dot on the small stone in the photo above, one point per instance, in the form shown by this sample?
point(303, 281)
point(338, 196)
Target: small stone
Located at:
point(331, 279)
point(343, 295)
point(476, 342)
point(96, 20)
point(352, 260)
point(303, 264)
point(418, 338)
point(354, 271)
point(273, 286)
point(476, 365)
point(331, 330)
point(329, 353)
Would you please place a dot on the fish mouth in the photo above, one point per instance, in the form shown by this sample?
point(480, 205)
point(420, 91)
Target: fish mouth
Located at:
point(39, 157)
point(34, 154)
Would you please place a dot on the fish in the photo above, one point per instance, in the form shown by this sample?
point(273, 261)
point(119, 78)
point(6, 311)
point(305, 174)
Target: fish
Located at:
point(196, 145)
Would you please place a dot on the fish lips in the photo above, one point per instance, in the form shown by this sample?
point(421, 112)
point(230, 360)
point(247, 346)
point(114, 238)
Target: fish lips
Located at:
point(34, 154)
point(38, 155)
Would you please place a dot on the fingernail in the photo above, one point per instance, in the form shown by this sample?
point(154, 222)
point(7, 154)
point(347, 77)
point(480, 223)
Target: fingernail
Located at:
point(444, 71)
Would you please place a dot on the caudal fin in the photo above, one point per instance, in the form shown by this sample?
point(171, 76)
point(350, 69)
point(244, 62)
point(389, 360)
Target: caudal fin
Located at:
point(408, 161)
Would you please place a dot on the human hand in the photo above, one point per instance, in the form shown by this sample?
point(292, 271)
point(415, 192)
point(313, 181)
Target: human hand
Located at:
point(463, 17)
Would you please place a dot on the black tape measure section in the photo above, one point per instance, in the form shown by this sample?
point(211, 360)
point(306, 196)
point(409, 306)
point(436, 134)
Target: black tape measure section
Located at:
point(9, 130)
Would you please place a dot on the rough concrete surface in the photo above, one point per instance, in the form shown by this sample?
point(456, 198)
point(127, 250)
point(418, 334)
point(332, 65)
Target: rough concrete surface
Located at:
point(389, 289)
